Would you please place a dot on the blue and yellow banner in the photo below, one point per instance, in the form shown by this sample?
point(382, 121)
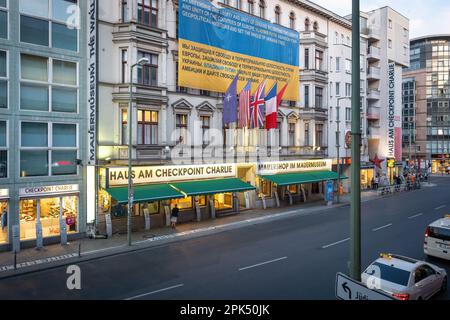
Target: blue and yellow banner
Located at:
point(215, 43)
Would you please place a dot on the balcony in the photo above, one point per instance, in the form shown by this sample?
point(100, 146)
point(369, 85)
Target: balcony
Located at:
point(373, 54)
point(373, 73)
point(314, 75)
point(313, 37)
point(374, 34)
point(373, 113)
point(373, 133)
point(373, 94)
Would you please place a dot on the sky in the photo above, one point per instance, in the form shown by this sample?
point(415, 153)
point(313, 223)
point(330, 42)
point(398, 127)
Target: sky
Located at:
point(426, 17)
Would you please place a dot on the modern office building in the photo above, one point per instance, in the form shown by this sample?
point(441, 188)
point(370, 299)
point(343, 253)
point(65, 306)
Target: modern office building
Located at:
point(42, 120)
point(426, 104)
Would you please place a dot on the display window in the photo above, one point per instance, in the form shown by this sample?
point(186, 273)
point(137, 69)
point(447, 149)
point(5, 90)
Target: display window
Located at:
point(265, 188)
point(183, 203)
point(293, 189)
point(223, 201)
point(49, 214)
point(152, 207)
point(3, 222)
point(366, 178)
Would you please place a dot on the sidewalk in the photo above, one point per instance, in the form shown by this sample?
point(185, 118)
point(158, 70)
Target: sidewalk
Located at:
point(29, 260)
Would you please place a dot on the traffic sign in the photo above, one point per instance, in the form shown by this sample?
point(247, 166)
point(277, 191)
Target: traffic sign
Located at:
point(349, 289)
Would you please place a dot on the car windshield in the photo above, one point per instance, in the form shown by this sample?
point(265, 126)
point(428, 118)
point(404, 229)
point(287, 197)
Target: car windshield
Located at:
point(388, 273)
point(440, 233)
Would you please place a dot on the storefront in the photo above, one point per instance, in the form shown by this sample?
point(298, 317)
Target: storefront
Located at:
point(291, 182)
point(199, 191)
point(440, 163)
point(49, 207)
point(4, 218)
point(367, 174)
point(395, 169)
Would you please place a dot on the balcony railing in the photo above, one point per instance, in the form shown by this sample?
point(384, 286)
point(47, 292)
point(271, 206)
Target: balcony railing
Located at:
point(373, 73)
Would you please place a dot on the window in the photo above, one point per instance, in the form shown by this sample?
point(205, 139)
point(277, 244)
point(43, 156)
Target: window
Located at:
point(48, 149)
point(251, 6)
point(206, 125)
point(39, 17)
point(348, 89)
point(124, 12)
point(307, 24)
point(123, 124)
point(336, 38)
point(319, 60)
point(390, 24)
point(262, 9)
point(390, 43)
point(277, 15)
point(37, 81)
point(319, 97)
point(3, 20)
point(182, 127)
point(3, 149)
point(266, 188)
point(315, 26)
point(3, 80)
point(148, 12)
point(389, 273)
point(307, 144)
point(348, 65)
point(148, 74)
point(292, 131)
point(348, 114)
point(239, 4)
point(124, 62)
point(306, 96)
point(338, 64)
point(306, 59)
point(319, 135)
point(292, 20)
point(338, 88)
point(147, 133)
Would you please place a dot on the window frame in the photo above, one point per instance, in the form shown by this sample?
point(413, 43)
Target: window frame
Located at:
point(318, 59)
point(319, 134)
point(141, 3)
point(277, 12)
point(148, 67)
point(179, 128)
point(6, 9)
point(145, 123)
point(50, 84)
point(6, 79)
point(6, 147)
point(318, 99)
point(292, 133)
point(205, 128)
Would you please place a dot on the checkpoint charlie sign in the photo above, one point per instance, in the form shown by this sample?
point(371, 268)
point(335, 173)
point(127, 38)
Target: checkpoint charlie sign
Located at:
point(145, 175)
point(294, 166)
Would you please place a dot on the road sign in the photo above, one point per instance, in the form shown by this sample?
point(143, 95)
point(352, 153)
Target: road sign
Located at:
point(349, 289)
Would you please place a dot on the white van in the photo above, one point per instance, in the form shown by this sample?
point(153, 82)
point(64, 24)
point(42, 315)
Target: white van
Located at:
point(437, 239)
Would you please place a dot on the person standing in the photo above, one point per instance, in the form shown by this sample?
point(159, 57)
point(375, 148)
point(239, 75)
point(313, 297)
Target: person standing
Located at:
point(174, 216)
point(377, 182)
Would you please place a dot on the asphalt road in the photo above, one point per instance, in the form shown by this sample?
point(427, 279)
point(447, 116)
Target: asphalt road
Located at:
point(294, 258)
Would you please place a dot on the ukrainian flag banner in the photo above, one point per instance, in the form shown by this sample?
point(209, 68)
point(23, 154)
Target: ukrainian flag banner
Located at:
point(216, 43)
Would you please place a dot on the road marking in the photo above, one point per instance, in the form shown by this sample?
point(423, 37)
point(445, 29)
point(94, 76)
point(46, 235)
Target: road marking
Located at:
point(156, 291)
point(335, 243)
point(383, 227)
point(416, 216)
point(262, 263)
point(441, 207)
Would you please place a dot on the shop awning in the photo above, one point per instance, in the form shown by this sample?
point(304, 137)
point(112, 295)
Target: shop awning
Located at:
point(301, 177)
point(215, 186)
point(151, 192)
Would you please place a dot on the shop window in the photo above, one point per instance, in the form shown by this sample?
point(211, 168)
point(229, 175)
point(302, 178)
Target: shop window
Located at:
point(147, 127)
point(148, 12)
point(3, 222)
point(266, 188)
point(183, 203)
point(149, 207)
point(223, 201)
point(293, 189)
point(148, 74)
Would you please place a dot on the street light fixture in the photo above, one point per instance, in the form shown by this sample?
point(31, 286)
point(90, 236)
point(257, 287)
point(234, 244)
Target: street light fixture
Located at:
point(338, 144)
point(141, 62)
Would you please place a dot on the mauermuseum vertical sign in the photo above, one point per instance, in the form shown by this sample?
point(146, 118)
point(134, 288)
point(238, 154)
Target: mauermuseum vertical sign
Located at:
point(92, 76)
point(215, 43)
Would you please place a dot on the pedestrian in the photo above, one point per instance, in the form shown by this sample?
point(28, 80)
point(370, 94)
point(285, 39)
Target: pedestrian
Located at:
point(174, 216)
point(372, 183)
point(377, 182)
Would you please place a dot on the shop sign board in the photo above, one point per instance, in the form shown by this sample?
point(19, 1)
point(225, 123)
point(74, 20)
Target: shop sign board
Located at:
point(154, 174)
point(48, 190)
point(4, 193)
point(281, 167)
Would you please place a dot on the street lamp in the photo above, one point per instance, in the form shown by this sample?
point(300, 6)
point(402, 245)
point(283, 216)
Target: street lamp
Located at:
point(338, 144)
point(141, 62)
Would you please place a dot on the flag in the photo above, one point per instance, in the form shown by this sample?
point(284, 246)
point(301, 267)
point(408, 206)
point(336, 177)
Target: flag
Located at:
point(230, 103)
point(280, 95)
point(271, 108)
point(244, 105)
point(257, 108)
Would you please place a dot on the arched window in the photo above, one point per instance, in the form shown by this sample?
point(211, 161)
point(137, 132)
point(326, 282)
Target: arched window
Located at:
point(315, 26)
point(277, 14)
point(262, 9)
point(307, 24)
point(292, 20)
point(251, 7)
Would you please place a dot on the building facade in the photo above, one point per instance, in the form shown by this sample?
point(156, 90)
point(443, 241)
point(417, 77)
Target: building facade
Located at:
point(426, 99)
point(42, 121)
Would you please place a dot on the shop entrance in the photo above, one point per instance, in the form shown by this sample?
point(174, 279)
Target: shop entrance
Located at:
point(223, 201)
point(3, 221)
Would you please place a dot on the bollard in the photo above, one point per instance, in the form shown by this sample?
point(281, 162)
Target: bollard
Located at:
point(15, 260)
point(79, 250)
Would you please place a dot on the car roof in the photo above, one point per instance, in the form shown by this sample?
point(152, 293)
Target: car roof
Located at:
point(400, 262)
point(441, 223)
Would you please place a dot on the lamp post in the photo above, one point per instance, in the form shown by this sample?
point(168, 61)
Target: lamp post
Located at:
point(338, 145)
point(141, 62)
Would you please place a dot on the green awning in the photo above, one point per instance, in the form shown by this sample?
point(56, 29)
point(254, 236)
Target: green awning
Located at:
point(301, 177)
point(215, 186)
point(151, 192)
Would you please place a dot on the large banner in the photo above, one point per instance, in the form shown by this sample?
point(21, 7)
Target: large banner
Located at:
point(215, 43)
point(394, 126)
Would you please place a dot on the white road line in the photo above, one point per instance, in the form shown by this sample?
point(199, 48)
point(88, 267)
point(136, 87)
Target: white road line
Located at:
point(335, 243)
point(156, 291)
point(383, 227)
point(416, 216)
point(441, 207)
point(262, 263)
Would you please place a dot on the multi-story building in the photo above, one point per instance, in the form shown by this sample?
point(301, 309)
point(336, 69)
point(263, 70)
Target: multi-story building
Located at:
point(426, 103)
point(42, 120)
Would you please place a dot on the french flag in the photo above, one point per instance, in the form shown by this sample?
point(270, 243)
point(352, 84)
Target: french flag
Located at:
point(271, 108)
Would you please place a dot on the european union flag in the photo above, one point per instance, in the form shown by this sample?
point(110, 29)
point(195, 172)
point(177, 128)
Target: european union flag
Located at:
point(230, 103)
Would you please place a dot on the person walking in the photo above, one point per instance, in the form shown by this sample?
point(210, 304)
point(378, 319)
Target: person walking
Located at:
point(376, 182)
point(174, 216)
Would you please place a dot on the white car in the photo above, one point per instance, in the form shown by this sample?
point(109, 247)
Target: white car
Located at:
point(405, 278)
point(437, 239)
